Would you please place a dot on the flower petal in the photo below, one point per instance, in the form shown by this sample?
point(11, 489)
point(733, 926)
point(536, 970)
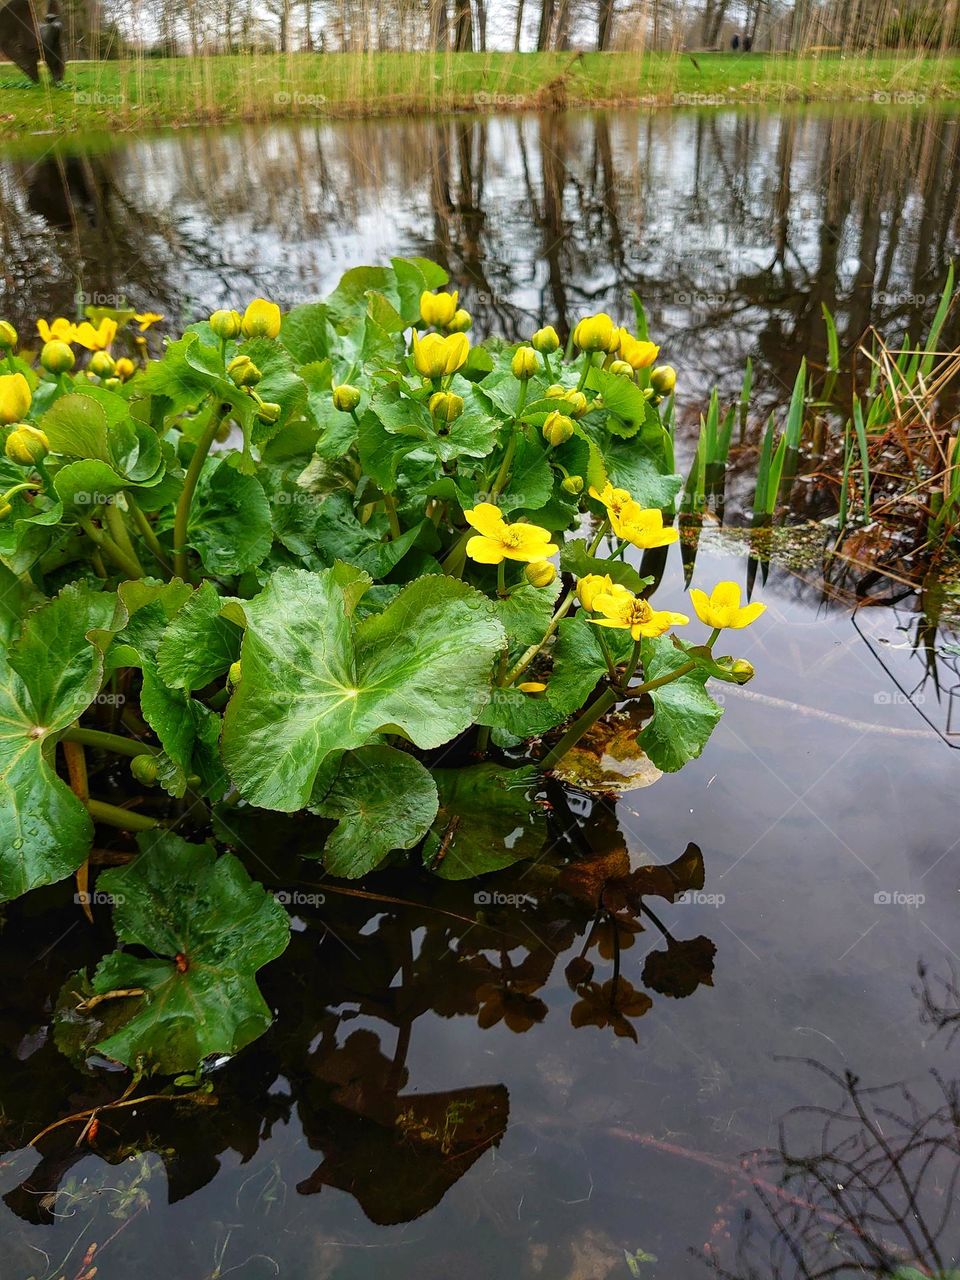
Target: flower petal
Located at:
point(486, 518)
point(485, 550)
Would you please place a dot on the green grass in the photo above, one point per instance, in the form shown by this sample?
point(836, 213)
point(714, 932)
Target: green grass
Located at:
point(147, 93)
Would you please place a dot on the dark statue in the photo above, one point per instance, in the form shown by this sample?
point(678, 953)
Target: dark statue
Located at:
point(25, 42)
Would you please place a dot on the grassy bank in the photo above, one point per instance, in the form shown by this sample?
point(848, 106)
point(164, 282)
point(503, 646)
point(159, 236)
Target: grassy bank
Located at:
point(182, 91)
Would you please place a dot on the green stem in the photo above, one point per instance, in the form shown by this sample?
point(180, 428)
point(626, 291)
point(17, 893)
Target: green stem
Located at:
point(502, 579)
point(599, 707)
point(106, 544)
point(390, 506)
point(219, 699)
point(108, 742)
point(562, 611)
point(587, 366)
point(149, 536)
point(112, 815)
point(182, 517)
point(118, 531)
point(503, 475)
point(18, 488)
point(611, 665)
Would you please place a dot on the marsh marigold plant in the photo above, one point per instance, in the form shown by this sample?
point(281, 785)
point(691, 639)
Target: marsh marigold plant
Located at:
point(309, 553)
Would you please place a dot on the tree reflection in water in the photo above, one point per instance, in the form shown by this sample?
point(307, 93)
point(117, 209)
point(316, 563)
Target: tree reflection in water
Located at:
point(733, 226)
point(362, 968)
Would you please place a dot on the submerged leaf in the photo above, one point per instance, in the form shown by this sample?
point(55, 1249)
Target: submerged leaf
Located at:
point(208, 928)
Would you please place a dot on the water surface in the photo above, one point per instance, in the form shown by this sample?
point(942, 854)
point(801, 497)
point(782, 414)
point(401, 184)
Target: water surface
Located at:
point(434, 1099)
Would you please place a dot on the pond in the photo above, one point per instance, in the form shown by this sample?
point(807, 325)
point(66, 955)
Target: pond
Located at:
point(779, 1096)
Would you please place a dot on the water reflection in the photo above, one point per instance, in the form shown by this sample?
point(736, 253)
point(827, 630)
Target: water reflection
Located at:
point(734, 226)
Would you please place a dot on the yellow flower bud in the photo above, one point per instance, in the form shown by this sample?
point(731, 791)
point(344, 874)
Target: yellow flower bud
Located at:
point(15, 398)
point(261, 319)
point(545, 340)
point(243, 372)
point(573, 485)
point(597, 333)
point(639, 353)
point(102, 364)
point(438, 309)
point(268, 412)
point(226, 324)
point(233, 675)
point(558, 428)
point(125, 368)
point(524, 363)
point(532, 687)
point(57, 357)
point(446, 406)
point(8, 336)
point(113, 384)
point(591, 586)
point(461, 322)
point(663, 379)
point(556, 392)
point(577, 403)
point(622, 369)
point(145, 769)
point(27, 445)
point(345, 397)
point(435, 356)
point(540, 573)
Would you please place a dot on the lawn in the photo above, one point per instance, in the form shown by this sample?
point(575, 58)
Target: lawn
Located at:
point(97, 97)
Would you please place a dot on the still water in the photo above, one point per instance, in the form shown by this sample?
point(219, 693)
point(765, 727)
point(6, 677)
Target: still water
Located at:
point(779, 1097)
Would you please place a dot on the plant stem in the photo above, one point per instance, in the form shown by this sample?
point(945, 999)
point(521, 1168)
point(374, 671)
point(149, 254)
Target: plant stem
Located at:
point(108, 742)
point(587, 366)
point(149, 536)
point(109, 548)
point(18, 488)
point(599, 707)
point(390, 506)
point(113, 816)
point(503, 475)
point(118, 531)
point(502, 579)
point(182, 518)
point(562, 611)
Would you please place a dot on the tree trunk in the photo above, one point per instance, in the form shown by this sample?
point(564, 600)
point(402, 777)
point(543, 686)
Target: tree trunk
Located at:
point(562, 38)
point(462, 26)
point(546, 24)
point(518, 28)
point(605, 25)
point(439, 25)
point(481, 25)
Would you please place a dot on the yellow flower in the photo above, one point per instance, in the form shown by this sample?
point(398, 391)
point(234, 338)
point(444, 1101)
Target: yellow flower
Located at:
point(438, 309)
point(722, 607)
point(615, 500)
point(637, 353)
point(27, 445)
point(643, 526)
point(98, 339)
point(524, 363)
point(146, 318)
point(226, 324)
point(592, 585)
point(628, 612)
point(435, 356)
point(16, 398)
point(596, 333)
point(461, 322)
point(8, 336)
point(663, 379)
point(499, 541)
point(60, 331)
point(540, 573)
point(545, 340)
point(261, 319)
point(125, 368)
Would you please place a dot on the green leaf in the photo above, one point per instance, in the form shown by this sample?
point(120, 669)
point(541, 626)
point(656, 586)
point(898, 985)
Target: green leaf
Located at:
point(643, 474)
point(575, 559)
point(200, 644)
point(338, 534)
point(684, 714)
point(488, 819)
point(281, 384)
point(628, 409)
point(316, 681)
point(385, 800)
point(526, 611)
point(180, 900)
point(230, 526)
point(578, 661)
point(48, 677)
point(307, 334)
